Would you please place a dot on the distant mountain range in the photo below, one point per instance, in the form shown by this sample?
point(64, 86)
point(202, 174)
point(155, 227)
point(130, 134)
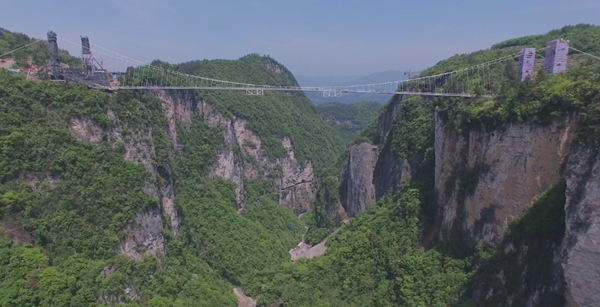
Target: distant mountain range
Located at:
point(377, 77)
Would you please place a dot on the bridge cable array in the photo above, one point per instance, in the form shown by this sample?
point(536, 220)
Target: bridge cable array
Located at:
point(459, 83)
point(476, 80)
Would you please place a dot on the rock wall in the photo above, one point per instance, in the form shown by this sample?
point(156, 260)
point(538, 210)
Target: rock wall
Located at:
point(386, 118)
point(357, 191)
point(295, 181)
point(390, 172)
point(373, 170)
point(573, 275)
point(485, 179)
point(139, 148)
point(296, 186)
point(144, 236)
point(580, 251)
point(83, 129)
point(243, 156)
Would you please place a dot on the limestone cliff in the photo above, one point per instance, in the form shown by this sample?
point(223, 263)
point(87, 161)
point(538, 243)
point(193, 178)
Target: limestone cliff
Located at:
point(524, 192)
point(373, 169)
point(243, 157)
point(580, 251)
point(486, 179)
point(357, 191)
point(144, 236)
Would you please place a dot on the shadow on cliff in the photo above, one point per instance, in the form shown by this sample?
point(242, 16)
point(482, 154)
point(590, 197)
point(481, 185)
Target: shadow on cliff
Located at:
point(522, 271)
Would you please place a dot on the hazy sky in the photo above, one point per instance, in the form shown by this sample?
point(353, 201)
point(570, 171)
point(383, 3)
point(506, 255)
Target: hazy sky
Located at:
point(310, 37)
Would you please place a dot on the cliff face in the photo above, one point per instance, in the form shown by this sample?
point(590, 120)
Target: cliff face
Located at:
point(580, 251)
point(243, 157)
point(372, 170)
point(357, 191)
point(484, 180)
point(144, 236)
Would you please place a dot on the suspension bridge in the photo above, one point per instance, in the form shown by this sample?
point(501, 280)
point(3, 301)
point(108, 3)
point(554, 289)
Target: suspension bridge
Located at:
point(124, 73)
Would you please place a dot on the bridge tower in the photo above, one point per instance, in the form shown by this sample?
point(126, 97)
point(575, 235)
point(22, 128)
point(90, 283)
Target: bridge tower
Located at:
point(56, 72)
point(87, 58)
point(557, 53)
point(526, 63)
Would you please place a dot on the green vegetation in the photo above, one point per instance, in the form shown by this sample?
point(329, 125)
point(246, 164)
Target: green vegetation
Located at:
point(349, 119)
point(582, 36)
point(376, 260)
point(73, 220)
point(319, 219)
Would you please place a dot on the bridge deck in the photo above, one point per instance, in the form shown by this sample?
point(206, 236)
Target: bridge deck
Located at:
point(302, 89)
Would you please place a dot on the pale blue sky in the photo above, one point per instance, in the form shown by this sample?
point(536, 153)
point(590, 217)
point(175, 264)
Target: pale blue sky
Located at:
point(310, 37)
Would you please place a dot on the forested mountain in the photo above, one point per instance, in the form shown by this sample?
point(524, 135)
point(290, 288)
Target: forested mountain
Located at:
point(470, 202)
point(349, 119)
point(183, 198)
point(153, 198)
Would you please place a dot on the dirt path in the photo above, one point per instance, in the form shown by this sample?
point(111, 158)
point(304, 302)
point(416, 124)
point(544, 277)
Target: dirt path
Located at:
point(243, 300)
point(307, 251)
